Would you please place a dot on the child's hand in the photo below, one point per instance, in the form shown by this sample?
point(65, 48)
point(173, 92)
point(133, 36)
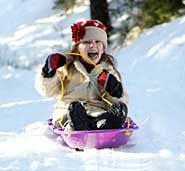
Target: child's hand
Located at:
point(110, 84)
point(53, 62)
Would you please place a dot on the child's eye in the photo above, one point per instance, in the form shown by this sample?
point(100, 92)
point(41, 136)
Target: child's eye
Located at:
point(86, 42)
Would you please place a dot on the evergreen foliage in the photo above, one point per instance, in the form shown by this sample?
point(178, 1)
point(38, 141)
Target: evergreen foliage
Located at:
point(64, 4)
point(156, 12)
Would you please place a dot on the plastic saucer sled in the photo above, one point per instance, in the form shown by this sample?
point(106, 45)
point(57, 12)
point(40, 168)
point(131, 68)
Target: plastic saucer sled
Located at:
point(96, 138)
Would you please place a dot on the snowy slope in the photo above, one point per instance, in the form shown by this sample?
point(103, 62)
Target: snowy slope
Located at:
point(157, 60)
point(154, 74)
point(31, 30)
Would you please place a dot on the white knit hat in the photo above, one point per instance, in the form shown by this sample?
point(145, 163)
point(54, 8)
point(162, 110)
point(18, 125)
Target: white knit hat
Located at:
point(89, 30)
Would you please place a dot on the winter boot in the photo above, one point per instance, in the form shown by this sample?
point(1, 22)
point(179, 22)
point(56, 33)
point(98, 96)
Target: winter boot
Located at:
point(77, 115)
point(114, 117)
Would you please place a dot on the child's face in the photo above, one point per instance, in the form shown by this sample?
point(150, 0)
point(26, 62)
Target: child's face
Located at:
point(92, 49)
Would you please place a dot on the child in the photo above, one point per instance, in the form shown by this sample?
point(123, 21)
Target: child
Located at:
point(93, 96)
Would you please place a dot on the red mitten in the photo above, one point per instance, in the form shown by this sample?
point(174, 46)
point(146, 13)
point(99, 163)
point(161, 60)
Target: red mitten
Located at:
point(53, 62)
point(110, 84)
point(102, 78)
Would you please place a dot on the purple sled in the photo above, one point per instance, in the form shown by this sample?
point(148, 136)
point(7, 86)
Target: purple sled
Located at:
point(96, 138)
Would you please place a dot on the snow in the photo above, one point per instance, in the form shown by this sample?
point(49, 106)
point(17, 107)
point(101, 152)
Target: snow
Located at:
point(153, 68)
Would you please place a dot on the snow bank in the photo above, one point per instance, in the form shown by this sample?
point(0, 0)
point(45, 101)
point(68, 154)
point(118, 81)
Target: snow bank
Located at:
point(154, 67)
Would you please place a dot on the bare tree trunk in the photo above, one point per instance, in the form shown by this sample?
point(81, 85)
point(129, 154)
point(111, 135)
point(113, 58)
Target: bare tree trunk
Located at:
point(99, 11)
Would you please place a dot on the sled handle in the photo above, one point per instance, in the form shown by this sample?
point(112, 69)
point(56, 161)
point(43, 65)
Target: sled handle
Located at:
point(84, 57)
point(104, 99)
point(128, 124)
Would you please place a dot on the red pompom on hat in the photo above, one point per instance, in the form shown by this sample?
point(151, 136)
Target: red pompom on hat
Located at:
point(89, 30)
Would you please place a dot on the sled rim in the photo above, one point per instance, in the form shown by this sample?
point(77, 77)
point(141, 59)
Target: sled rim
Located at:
point(61, 131)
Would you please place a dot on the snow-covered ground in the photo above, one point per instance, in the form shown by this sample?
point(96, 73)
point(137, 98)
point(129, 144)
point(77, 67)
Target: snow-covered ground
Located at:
point(153, 68)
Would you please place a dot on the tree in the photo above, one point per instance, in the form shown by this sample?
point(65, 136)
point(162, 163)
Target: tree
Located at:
point(177, 3)
point(99, 11)
point(157, 12)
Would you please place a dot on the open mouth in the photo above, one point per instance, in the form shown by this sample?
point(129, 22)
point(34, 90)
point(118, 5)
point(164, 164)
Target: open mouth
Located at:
point(93, 55)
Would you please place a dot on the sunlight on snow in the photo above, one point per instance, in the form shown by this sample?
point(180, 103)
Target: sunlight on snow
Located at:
point(50, 20)
point(178, 40)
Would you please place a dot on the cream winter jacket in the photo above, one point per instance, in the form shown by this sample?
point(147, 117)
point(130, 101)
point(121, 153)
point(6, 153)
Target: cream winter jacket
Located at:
point(79, 85)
